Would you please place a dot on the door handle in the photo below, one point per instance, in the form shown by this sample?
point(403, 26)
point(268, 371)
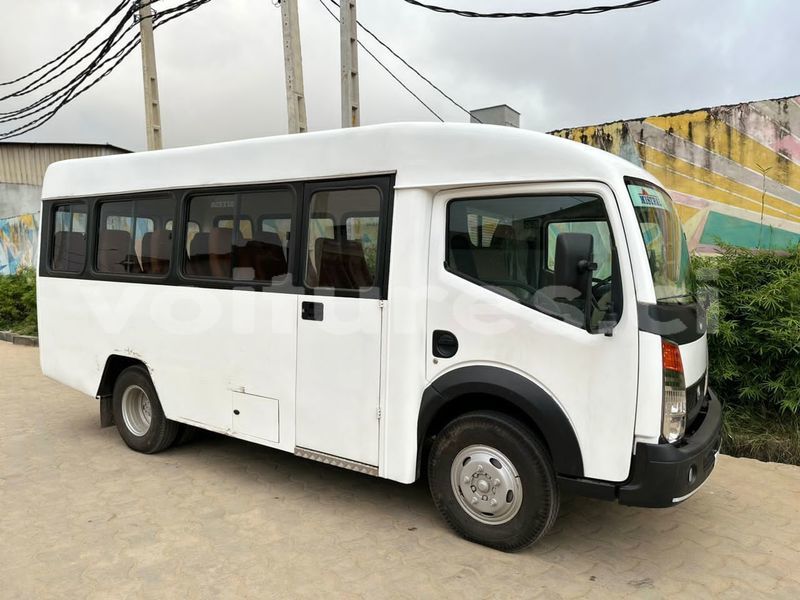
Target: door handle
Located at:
point(312, 311)
point(445, 344)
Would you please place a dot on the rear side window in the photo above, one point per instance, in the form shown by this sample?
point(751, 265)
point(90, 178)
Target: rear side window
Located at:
point(507, 244)
point(343, 239)
point(68, 241)
point(223, 244)
point(134, 236)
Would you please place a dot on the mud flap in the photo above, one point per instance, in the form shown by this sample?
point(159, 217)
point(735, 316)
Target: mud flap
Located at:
point(106, 411)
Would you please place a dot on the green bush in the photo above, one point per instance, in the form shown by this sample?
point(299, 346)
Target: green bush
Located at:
point(755, 354)
point(761, 433)
point(18, 302)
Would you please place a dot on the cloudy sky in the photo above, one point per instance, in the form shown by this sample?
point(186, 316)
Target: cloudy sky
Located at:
point(221, 67)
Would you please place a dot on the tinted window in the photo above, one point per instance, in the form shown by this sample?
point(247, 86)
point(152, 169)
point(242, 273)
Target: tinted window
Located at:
point(134, 237)
point(507, 244)
point(343, 239)
point(69, 238)
point(222, 243)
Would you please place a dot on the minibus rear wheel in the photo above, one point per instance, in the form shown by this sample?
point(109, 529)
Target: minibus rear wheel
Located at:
point(138, 414)
point(493, 481)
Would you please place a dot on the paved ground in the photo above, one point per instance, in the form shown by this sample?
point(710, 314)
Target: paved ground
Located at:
point(82, 516)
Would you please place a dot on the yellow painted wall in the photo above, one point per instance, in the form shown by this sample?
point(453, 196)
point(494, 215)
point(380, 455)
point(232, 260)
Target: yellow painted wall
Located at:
point(733, 171)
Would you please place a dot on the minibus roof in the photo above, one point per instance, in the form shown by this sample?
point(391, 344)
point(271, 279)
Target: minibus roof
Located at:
point(429, 155)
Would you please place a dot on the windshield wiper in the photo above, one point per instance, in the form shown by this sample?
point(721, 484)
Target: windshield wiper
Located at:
point(691, 295)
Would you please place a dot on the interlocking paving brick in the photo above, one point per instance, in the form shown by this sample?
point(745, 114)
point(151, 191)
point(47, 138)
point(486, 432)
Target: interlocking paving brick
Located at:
point(81, 516)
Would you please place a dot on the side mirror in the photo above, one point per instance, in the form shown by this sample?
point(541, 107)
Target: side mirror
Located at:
point(573, 269)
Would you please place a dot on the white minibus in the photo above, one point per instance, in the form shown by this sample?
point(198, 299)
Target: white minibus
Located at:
point(505, 313)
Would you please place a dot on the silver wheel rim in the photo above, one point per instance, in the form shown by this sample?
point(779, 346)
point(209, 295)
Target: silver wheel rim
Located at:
point(486, 484)
point(136, 410)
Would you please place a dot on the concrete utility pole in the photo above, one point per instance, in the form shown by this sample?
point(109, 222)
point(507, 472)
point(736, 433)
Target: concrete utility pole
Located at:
point(293, 62)
point(152, 108)
point(351, 116)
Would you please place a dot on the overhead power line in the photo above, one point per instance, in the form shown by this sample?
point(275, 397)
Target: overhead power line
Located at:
point(415, 70)
point(105, 56)
point(592, 10)
point(72, 49)
point(385, 68)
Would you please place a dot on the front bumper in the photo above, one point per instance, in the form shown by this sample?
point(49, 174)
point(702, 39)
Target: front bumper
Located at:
point(666, 474)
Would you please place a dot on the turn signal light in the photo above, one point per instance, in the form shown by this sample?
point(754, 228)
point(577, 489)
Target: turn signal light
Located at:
point(673, 420)
point(671, 357)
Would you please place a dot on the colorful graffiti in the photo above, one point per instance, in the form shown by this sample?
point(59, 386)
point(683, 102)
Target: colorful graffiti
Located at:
point(733, 171)
point(18, 243)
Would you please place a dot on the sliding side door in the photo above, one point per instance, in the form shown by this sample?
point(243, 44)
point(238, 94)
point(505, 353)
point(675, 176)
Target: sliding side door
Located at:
point(340, 318)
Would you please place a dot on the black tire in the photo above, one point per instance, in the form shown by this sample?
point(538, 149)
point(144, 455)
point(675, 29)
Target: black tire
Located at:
point(161, 432)
point(538, 509)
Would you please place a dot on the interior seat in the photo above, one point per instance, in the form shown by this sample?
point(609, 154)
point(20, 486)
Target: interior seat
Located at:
point(343, 265)
point(198, 264)
point(313, 263)
point(219, 251)
point(156, 251)
point(69, 251)
point(270, 261)
point(114, 252)
point(496, 263)
point(462, 254)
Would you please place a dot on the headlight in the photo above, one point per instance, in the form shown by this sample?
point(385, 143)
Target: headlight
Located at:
point(673, 420)
point(673, 424)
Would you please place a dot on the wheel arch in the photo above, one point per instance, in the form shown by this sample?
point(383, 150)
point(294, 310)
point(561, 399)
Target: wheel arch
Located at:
point(482, 387)
point(115, 364)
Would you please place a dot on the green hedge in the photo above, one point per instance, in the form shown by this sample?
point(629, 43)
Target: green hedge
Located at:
point(18, 302)
point(755, 353)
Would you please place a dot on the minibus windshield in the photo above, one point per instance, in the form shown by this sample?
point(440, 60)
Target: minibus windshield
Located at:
point(664, 240)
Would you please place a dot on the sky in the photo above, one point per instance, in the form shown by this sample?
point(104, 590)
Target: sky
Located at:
point(221, 67)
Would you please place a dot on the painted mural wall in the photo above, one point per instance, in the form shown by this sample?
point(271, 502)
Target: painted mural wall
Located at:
point(22, 169)
point(733, 171)
point(18, 243)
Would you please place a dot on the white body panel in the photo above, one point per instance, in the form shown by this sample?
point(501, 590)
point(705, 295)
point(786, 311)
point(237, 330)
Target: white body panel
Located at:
point(694, 357)
point(591, 377)
point(351, 385)
point(338, 379)
point(198, 359)
point(651, 389)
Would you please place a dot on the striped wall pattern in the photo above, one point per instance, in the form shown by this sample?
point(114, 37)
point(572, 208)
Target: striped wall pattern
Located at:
point(26, 163)
point(733, 171)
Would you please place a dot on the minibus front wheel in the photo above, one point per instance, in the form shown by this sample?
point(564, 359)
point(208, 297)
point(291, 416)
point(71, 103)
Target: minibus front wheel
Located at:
point(138, 414)
point(492, 480)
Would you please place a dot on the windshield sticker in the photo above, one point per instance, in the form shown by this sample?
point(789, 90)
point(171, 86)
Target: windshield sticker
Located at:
point(647, 197)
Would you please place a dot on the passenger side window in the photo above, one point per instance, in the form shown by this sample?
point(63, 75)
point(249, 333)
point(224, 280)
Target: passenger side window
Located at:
point(68, 241)
point(507, 244)
point(343, 239)
point(249, 254)
point(134, 238)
